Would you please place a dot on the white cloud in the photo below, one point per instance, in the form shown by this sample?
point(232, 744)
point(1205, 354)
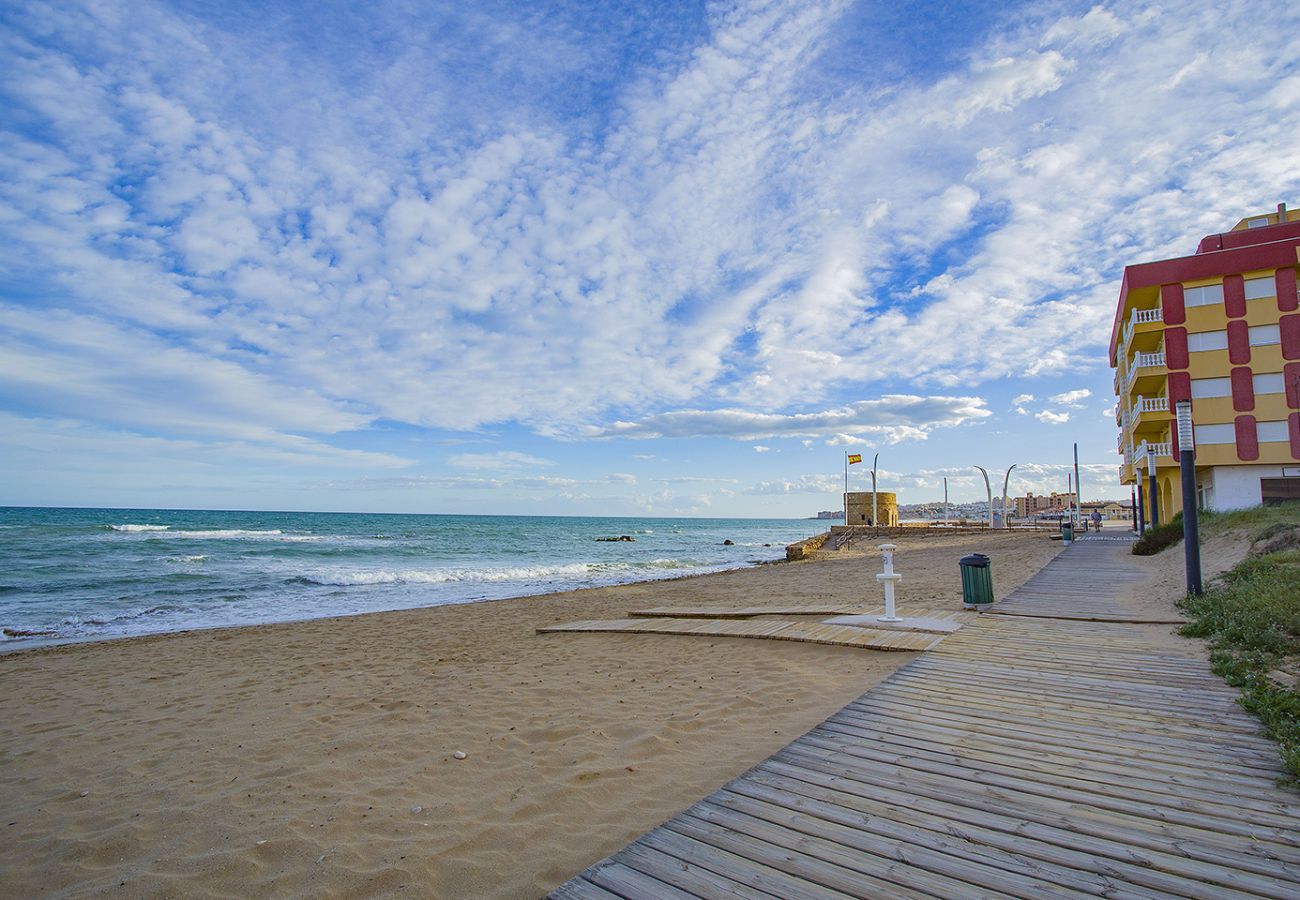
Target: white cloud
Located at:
point(1052, 418)
point(498, 460)
point(1022, 399)
point(805, 484)
point(1072, 398)
point(759, 448)
point(890, 413)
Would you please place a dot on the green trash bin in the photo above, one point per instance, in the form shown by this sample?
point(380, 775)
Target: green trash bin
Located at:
point(976, 581)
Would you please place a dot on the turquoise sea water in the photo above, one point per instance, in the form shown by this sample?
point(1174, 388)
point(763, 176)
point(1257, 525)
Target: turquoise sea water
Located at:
point(76, 574)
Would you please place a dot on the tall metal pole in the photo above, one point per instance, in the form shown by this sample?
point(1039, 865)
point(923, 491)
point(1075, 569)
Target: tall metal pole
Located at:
point(1153, 508)
point(945, 500)
point(875, 513)
point(1006, 521)
point(1078, 487)
point(846, 489)
point(988, 490)
point(1133, 507)
point(1187, 463)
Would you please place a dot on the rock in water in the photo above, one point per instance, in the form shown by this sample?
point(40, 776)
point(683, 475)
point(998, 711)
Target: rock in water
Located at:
point(728, 543)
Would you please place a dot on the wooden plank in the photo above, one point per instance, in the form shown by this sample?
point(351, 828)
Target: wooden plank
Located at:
point(1027, 755)
point(835, 635)
point(1121, 860)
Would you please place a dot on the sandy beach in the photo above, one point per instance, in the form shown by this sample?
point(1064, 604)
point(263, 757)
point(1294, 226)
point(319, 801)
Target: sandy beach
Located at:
point(318, 758)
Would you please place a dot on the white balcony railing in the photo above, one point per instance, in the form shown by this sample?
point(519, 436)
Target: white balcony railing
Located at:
point(1140, 317)
point(1142, 361)
point(1152, 404)
point(1161, 449)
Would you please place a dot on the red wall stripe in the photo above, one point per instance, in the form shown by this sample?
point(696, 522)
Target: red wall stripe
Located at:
point(1172, 309)
point(1238, 343)
point(1289, 326)
point(1247, 438)
point(1176, 348)
point(1243, 389)
point(1234, 296)
point(1294, 422)
point(1291, 381)
point(1180, 388)
point(1286, 293)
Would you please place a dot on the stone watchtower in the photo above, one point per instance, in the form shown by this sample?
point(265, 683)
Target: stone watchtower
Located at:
point(859, 508)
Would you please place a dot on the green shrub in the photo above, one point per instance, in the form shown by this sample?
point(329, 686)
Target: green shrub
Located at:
point(1160, 537)
point(1251, 617)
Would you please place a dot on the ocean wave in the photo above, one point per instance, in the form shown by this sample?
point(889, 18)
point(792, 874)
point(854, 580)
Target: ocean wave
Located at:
point(139, 527)
point(199, 557)
point(354, 578)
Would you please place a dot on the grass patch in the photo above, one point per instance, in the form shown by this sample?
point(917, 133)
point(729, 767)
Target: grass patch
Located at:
point(1159, 538)
point(1251, 618)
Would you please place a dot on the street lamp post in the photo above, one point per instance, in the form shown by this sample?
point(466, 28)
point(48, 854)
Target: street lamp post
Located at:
point(1006, 521)
point(989, 491)
point(1187, 463)
point(1153, 508)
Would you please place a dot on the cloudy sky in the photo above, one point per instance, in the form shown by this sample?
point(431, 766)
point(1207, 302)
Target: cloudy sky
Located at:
point(618, 258)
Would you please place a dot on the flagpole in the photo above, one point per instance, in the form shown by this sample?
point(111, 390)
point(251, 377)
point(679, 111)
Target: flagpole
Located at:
point(846, 489)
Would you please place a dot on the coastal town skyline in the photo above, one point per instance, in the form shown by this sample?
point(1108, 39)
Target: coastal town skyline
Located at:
point(615, 260)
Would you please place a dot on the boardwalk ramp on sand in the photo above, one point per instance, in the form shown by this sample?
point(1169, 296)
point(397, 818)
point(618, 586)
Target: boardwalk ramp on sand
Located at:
point(1025, 757)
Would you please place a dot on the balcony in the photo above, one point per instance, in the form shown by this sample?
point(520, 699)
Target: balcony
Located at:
point(1140, 317)
point(1164, 454)
point(1142, 361)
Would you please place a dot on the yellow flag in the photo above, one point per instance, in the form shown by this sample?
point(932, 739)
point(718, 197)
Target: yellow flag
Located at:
point(855, 458)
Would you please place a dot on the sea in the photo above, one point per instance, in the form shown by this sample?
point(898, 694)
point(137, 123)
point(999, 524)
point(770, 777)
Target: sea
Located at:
point(91, 574)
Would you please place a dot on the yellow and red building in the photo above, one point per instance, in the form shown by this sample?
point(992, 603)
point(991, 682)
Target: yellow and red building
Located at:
point(1221, 328)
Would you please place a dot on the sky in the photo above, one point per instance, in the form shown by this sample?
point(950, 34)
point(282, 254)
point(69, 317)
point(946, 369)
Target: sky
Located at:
point(599, 259)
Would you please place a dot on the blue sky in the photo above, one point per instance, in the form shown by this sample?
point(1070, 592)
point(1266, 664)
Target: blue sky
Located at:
point(619, 259)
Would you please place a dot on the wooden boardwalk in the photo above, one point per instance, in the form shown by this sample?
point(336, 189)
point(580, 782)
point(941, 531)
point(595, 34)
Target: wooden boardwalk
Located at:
point(1024, 757)
point(1074, 586)
point(808, 632)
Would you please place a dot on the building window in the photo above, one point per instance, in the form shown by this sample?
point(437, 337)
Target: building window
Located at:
point(1271, 431)
point(1262, 335)
point(1268, 383)
point(1257, 223)
point(1209, 340)
point(1205, 388)
point(1217, 434)
point(1260, 288)
point(1203, 296)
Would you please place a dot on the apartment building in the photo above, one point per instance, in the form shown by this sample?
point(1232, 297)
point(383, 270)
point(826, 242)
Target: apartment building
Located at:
point(1221, 328)
point(1031, 505)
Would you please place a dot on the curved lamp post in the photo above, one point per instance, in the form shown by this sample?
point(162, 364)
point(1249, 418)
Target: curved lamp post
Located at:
point(988, 490)
point(1006, 521)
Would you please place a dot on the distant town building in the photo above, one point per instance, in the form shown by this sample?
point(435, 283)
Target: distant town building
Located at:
point(1032, 505)
point(1219, 328)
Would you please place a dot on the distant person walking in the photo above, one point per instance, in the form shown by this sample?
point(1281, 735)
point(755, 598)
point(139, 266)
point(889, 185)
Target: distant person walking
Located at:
point(1096, 520)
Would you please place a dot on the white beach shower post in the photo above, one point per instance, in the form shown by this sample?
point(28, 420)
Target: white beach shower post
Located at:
point(887, 578)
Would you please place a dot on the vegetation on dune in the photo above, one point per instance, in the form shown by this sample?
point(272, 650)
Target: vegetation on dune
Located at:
point(1251, 617)
point(1160, 537)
